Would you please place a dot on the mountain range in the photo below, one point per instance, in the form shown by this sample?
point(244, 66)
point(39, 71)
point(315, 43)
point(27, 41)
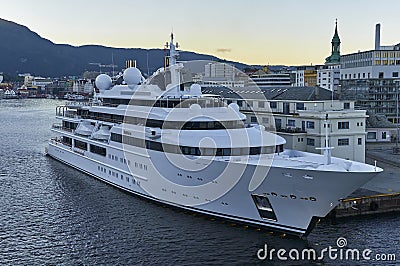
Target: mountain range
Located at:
point(24, 51)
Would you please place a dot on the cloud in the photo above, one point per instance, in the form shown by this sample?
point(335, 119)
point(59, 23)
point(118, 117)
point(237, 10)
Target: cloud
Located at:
point(224, 50)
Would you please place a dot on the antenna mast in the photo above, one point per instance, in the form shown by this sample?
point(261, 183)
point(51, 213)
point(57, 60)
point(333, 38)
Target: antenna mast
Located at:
point(327, 149)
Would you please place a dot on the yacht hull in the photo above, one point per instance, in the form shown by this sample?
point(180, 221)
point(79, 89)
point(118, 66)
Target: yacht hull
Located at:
point(297, 197)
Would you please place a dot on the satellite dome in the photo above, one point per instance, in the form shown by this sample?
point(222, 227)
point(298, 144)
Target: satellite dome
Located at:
point(132, 76)
point(195, 90)
point(103, 82)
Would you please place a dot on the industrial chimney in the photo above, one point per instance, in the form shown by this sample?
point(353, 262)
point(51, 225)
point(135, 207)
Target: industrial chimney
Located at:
point(378, 37)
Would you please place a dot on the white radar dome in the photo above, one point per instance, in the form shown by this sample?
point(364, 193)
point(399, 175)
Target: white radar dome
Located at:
point(195, 90)
point(103, 82)
point(132, 76)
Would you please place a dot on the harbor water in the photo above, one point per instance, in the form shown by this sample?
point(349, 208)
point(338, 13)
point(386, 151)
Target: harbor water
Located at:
point(51, 214)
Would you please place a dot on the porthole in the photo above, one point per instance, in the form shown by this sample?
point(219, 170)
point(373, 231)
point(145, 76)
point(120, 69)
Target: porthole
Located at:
point(313, 199)
point(274, 194)
point(293, 196)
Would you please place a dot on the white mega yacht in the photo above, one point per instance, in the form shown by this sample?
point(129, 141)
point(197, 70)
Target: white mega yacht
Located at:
point(162, 139)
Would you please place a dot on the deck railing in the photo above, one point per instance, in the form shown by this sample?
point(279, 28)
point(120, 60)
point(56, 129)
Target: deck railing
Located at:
point(60, 127)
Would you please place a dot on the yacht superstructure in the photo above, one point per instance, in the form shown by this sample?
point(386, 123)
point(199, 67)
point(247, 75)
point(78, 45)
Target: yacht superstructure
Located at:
point(162, 139)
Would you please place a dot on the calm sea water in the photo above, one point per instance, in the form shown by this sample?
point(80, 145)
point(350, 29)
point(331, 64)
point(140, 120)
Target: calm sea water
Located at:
point(51, 214)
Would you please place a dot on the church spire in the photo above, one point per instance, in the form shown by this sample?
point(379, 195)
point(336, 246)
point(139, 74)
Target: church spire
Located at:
point(336, 33)
point(335, 56)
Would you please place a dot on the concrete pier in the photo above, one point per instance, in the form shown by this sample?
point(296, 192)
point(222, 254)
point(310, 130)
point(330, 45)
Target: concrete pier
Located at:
point(381, 194)
point(375, 204)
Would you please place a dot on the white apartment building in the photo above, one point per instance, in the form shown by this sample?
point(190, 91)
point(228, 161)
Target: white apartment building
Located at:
point(272, 80)
point(219, 70)
point(381, 63)
point(305, 76)
point(31, 81)
point(328, 76)
point(302, 124)
point(298, 115)
point(374, 64)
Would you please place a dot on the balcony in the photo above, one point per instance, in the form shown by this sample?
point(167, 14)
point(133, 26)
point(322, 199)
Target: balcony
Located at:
point(291, 130)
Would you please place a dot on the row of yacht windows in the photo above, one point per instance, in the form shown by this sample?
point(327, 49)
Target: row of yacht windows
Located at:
point(101, 151)
point(166, 102)
point(84, 146)
point(186, 150)
point(115, 158)
point(184, 125)
point(116, 175)
point(128, 162)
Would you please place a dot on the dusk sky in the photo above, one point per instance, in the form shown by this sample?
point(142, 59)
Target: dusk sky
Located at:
point(254, 32)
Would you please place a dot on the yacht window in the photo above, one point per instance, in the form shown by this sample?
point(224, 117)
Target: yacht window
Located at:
point(279, 148)
point(67, 141)
point(153, 145)
point(255, 150)
point(226, 152)
point(190, 150)
point(169, 148)
point(81, 145)
point(97, 150)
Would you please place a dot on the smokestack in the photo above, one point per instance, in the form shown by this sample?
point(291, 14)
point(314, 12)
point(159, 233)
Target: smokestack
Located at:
point(378, 37)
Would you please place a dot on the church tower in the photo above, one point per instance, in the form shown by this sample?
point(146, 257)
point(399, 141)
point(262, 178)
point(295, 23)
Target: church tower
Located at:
point(334, 58)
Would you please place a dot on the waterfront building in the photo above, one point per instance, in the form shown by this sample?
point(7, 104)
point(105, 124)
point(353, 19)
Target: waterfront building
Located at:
point(39, 82)
point(381, 63)
point(221, 74)
point(305, 76)
point(219, 70)
point(379, 129)
point(298, 115)
point(371, 78)
point(328, 76)
point(268, 80)
point(82, 86)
